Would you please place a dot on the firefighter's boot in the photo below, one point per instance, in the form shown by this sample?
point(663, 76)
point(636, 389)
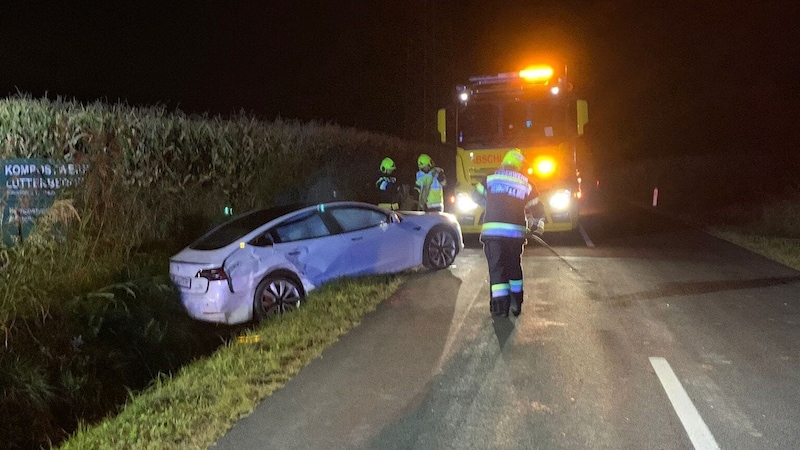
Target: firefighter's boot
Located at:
point(498, 306)
point(516, 303)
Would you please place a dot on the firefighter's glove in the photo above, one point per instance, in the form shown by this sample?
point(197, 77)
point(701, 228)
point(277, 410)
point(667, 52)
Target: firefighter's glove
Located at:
point(539, 231)
point(383, 182)
point(438, 174)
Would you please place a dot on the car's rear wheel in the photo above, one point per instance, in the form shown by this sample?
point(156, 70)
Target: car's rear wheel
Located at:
point(276, 294)
point(440, 249)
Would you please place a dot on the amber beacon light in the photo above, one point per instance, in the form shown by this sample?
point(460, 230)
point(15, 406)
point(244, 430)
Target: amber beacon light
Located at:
point(536, 74)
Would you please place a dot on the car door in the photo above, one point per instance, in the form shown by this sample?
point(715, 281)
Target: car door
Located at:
point(374, 241)
point(309, 245)
point(241, 266)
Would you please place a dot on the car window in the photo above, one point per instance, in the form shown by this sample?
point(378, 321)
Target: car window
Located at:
point(263, 240)
point(352, 219)
point(239, 226)
point(306, 227)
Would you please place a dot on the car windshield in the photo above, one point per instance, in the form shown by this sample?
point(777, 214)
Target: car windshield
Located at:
point(237, 227)
point(351, 219)
point(510, 124)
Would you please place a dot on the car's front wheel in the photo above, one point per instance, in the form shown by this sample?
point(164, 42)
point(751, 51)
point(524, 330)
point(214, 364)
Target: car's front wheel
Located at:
point(440, 249)
point(276, 294)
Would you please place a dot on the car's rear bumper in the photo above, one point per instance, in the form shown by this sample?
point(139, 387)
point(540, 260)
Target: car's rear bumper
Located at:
point(218, 305)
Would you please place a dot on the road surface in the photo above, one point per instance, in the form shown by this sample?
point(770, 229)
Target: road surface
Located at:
point(638, 333)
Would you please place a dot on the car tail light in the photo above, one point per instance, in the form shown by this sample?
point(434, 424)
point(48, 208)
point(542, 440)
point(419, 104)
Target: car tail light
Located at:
point(216, 274)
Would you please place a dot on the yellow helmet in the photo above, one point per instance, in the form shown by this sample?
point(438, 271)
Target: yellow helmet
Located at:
point(424, 161)
point(513, 158)
point(387, 165)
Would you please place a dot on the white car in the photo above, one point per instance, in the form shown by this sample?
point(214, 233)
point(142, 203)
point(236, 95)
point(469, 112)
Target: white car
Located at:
point(264, 262)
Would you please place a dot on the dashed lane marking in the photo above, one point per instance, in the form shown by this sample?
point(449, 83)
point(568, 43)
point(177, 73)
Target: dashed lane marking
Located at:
point(585, 236)
point(698, 432)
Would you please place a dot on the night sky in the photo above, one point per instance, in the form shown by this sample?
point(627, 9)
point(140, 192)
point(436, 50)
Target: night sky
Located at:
point(683, 77)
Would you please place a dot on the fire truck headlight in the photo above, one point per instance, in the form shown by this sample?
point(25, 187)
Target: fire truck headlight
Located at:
point(465, 203)
point(560, 200)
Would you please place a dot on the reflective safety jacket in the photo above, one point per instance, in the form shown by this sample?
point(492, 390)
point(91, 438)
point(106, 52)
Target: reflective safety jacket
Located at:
point(509, 198)
point(430, 187)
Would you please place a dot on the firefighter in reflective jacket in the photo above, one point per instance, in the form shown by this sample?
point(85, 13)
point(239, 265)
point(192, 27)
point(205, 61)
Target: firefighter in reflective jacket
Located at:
point(430, 184)
point(512, 205)
point(388, 189)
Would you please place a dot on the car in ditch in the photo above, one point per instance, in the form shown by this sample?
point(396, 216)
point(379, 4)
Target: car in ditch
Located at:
point(264, 262)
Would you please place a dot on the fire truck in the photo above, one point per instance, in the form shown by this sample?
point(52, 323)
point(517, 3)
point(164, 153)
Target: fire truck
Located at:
point(534, 110)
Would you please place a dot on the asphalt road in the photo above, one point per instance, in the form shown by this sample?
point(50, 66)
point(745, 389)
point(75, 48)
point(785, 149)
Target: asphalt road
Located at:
point(656, 337)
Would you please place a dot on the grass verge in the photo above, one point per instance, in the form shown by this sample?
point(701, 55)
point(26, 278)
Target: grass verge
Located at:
point(199, 404)
point(771, 230)
point(783, 250)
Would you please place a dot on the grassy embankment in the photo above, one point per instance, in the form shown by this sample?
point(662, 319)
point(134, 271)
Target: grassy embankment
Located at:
point(197, 405)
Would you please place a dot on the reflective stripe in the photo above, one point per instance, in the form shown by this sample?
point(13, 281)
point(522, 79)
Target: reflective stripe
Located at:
point(480, 188)
point(516, 285)
point(501, 229)
point(511, 185)
point(499, 290)
point(507, 178)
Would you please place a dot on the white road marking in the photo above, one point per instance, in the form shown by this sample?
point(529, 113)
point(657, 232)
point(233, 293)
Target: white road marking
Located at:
point(697, 430)
point(586, 239)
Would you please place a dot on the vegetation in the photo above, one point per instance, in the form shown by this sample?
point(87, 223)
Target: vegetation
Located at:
point(772, 230)
point(87, 313)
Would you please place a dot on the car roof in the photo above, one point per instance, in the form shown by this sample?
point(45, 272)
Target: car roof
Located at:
point(243, 224)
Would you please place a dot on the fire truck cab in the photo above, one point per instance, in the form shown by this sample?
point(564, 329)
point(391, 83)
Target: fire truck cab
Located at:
point(533, 110)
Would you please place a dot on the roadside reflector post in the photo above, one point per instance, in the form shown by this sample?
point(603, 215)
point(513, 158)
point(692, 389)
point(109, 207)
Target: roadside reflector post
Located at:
point(655, 197)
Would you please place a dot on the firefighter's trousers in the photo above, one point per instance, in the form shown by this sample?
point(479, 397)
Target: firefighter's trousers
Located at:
point(504, 256)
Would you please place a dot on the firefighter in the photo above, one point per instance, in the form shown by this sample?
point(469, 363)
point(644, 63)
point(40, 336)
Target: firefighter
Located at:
point(512, 205)
point(430, 184)
point(388, 189)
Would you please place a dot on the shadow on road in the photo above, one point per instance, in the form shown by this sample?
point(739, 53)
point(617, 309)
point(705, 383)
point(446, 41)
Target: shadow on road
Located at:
point(503, 327)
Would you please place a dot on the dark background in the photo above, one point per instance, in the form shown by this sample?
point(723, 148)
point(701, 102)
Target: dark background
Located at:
point(661, 77)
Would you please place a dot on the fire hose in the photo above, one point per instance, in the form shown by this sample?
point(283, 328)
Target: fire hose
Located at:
point(541, 241)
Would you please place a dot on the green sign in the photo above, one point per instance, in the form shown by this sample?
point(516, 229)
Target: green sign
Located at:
point(28, 188)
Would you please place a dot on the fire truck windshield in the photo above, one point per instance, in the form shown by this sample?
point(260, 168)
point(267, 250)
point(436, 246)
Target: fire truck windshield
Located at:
point(511, 124)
